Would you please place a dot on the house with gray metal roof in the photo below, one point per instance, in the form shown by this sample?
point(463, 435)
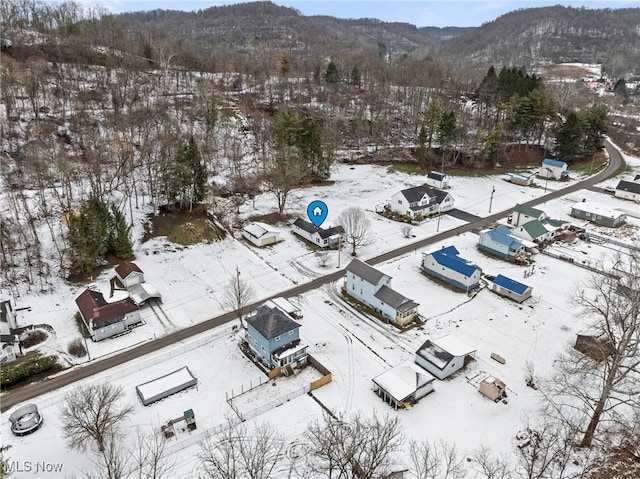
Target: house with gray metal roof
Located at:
point(275, 338)
point(421, 201)
point(373, 288)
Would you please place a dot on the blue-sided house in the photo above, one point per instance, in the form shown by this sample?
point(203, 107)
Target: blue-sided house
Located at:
point(509, 288)
point(372, 288)
point(275, 338)
point(499, 242)
point(553, 169)
point(447, 265)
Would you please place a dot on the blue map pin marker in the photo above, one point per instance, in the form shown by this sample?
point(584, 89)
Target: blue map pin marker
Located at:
point(317, 212)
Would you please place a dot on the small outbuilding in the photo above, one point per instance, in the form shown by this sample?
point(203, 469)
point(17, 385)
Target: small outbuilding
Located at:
point(128, 273)
point(437, 179)
point(593, 347)
point(260, 234)
point(493, 388)
point(509, 288)
point(166, 385)
point(403, 384)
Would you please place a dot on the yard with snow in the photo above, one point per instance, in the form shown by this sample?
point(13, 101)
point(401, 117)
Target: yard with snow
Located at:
point(354, 347)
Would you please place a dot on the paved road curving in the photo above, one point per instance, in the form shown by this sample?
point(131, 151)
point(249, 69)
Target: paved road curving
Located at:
point(33, 390)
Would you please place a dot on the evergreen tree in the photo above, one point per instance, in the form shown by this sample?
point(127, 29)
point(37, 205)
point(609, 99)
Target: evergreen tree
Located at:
point(494, 145)
point(284, 64)
point(185, 180)
point(431, 121)
point(447, 130)
point(305, 137)
point(119, 234)
point(569, 138)
point(331, 75)
point(356, 78)
point(595, 121)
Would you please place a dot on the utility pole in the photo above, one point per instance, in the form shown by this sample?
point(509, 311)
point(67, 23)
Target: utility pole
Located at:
point(491, 200)
point(339, 249)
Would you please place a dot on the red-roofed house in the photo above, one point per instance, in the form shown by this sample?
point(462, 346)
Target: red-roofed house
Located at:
point(103, 319)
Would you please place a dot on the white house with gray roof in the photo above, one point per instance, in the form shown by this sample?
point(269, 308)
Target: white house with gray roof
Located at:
point(628, 190)
point(444, 356)
point(323, 237)
point(372, 288)
point(421, 200)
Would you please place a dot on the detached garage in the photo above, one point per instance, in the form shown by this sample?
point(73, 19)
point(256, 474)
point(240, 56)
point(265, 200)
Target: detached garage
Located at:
point(166, 385)
point(403, 384)
point(260, 235)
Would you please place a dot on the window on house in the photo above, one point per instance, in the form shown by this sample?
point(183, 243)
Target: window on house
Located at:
point(399, 202)
point(290, 333)
point(262, 347)
point(277, 338)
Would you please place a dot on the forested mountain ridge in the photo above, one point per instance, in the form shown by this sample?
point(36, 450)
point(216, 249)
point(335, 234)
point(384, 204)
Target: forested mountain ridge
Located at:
point(245, 26)
point(554, 34)
point(523, 37)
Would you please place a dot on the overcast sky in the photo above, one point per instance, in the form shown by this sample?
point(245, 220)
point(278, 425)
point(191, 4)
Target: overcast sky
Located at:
point(440, 13)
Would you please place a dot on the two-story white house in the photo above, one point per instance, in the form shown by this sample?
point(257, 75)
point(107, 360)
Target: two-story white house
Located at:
point(373, 288)
point(447, 265)
point(103, 319)
point(421, 200)
point(523, 214)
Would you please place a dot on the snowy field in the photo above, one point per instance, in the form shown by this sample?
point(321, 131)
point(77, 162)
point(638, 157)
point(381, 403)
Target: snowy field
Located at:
point(353, 347)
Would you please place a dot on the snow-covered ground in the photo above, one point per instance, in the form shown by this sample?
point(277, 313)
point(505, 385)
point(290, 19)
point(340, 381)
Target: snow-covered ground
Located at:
point(354, 348)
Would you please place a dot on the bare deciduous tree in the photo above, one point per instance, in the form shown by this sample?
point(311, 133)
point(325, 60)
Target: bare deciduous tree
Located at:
point(323, 257)
point(545, 450)
point(356, 227)
point(586, 389)
point(359, 447)
point(238, 452)
point(237, 295)
point(436, 461)
point(151, 458)
point(92, 413)
point(489, 465)
point(406, 231)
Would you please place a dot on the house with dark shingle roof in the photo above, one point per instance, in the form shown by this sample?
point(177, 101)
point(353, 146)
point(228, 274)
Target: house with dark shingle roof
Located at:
point(447, 265)
point(103, 319)
point(373, 288)
point(628, 190)
point(421, 200)
point(275, 338)
point(323, 237)
point(437, 179)
point(444, 356)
